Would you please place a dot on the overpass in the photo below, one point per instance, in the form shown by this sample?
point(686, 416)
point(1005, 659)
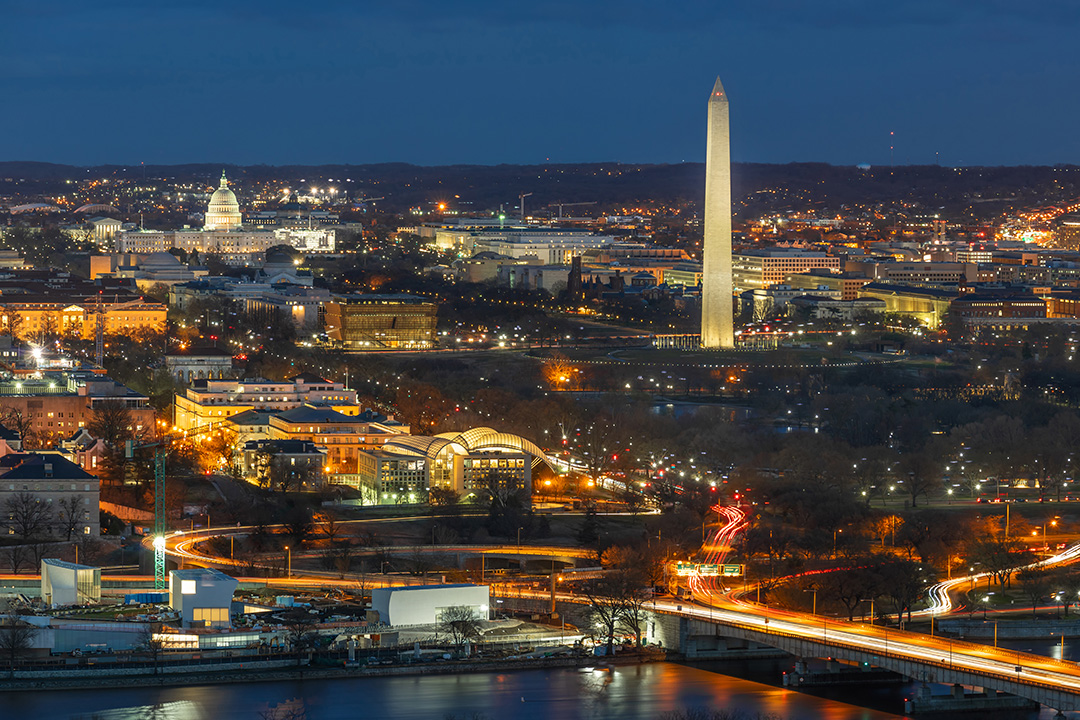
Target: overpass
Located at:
point(1051, 682)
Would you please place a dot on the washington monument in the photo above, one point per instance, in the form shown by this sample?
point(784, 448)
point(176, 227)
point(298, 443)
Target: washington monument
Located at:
point(716, 306)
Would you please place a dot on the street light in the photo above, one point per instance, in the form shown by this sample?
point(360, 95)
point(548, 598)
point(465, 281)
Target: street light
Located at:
point(288, 573)
point(834, 532)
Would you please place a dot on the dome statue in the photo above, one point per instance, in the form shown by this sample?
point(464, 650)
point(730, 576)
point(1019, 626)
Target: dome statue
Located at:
point(223, 212)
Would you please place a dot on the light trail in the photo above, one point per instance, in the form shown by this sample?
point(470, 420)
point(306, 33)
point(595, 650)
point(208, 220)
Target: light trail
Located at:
point(940, 602)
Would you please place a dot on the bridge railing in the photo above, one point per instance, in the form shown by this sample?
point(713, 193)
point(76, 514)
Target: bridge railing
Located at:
point(1035, 662)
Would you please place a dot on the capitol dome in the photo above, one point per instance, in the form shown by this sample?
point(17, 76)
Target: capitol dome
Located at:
point(223, 212)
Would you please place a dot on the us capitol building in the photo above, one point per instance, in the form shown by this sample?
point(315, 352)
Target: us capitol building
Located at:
point(223, 235)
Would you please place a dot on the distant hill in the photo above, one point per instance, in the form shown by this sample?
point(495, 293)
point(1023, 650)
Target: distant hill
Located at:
point(969, 191)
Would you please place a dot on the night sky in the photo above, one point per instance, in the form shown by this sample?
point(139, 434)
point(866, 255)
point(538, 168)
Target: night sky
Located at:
point(500, 81)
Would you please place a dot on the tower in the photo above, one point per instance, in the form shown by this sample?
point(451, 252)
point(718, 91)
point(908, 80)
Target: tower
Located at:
point(717, 313)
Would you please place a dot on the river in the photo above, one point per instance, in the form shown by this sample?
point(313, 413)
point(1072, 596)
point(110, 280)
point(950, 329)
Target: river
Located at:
point(642, 692)
point(628, 693)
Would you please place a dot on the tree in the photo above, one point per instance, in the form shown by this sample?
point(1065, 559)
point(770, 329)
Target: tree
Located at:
point(16, 639)
point(460, 624)
point(903, 582)
point(999, 555)
point(220, 451)
point(27, 517)
point(15, 556)
point(274, 473)
point(112, 422)
point(885, 526)
point(19, 421)
point(421, 405)
point(1035, 582)
point(298, 525)
point(589, 532)
point(329, 526)
point(299, 632)
point(1069, 582)
point(12, 324)
point(151, 642)
point(71, 515)
point(634, 596)
point(921, 470)
point(850, 586)
point(444, 498)
point(605, 607)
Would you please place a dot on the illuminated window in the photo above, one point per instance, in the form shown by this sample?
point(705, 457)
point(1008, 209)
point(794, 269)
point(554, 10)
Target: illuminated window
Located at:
point(187, 587)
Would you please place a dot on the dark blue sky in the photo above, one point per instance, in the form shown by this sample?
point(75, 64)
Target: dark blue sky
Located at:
point(490, 81)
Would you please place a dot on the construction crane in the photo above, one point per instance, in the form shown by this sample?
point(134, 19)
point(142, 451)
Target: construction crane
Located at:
point(160, 447)
point(521, 200)
point(364, 200)
point(159, 505)
point(99, 333)
point(562, 205)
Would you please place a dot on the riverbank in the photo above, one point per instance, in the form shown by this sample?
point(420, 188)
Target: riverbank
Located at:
point(309, 672)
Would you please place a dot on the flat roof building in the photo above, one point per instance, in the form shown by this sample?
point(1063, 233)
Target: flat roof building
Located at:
point(387, 321)
point(202, 596)
point(762, 268)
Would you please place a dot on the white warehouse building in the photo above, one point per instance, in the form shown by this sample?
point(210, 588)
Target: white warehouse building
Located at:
point(202, 596)
point(423, 605)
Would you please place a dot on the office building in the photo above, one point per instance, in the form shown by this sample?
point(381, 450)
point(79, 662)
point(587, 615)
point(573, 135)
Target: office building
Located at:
point(380, 321)
point(761, 268)
point(211, 402)
point(59, 403)
point(70, 493)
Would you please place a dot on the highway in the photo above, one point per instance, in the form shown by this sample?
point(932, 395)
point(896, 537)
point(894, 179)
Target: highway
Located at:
point(718, 604)
point(878, 645)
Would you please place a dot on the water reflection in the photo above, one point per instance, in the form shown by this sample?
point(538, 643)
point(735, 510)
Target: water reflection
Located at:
point(630, 693)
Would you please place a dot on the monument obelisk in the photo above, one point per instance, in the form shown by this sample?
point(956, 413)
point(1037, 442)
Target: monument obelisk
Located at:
point(717, 312)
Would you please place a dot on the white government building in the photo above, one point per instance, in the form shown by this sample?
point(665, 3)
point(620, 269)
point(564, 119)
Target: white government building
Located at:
point(222, 234)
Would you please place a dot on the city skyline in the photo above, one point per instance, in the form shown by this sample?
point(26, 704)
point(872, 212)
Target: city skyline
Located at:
point(249, 83)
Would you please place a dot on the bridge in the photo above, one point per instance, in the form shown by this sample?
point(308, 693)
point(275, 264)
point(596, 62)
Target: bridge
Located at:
point(675, 623)
point(1051, 682)
point(685, 626)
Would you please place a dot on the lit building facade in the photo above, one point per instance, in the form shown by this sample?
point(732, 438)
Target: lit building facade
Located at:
point(389, 321)
point(223, 213)
point(761, 268)
point(55, 481)
point(58, 404)
point(470, 463)
point(211, 402)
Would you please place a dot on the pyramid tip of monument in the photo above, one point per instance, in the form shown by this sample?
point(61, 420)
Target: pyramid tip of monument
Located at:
point(718, 94)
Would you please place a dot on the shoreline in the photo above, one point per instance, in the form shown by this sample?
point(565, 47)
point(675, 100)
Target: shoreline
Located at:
point(307, 672)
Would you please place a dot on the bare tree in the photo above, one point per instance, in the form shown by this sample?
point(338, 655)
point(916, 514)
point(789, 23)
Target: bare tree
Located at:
point(1035, 582)
point(70, 516)
point(299, 632)
point(605, 607)
point(16, 639)
point(151, 643)
point(27, 516)
point(18, 420)
point(220, 450)
point(16, 556)
point(112, 422)
point(460, 623)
